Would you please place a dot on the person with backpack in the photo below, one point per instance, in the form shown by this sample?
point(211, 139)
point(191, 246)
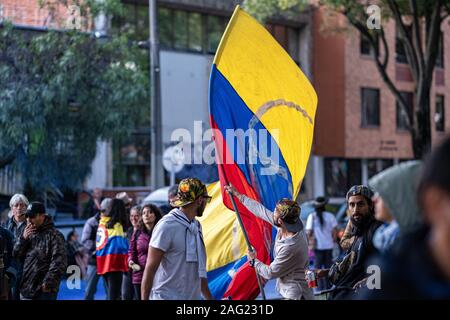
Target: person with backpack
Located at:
point(321, 231)
point(138, 251)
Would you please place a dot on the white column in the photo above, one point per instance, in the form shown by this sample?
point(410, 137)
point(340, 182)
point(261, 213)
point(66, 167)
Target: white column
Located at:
point(364, 171)
point(318, 176)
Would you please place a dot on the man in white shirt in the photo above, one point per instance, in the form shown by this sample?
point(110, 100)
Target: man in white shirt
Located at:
point(176, 262)
point(321, 230)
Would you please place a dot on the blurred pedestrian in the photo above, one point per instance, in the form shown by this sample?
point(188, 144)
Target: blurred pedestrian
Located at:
point(112, 248)
point(76, 253)
point(321, 228)
point(171, 194)
point(290, 253)
point(127, 284)
point(8, 267)
point(176, 262)
point(93, 205)
point(88, 240)
point(16, 224)
point(395, 202)
point(43, 252)
point(137, 254)
point(418, 265)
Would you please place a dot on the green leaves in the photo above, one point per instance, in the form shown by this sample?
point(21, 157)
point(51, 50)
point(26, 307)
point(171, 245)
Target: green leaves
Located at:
point(60, 93)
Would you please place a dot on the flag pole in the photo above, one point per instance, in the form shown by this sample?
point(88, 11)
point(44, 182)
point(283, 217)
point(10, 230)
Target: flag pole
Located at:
point(250, 248)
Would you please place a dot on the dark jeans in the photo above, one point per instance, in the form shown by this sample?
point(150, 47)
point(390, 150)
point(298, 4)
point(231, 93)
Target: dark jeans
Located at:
point(323, 259)
point(127, 287)
point(91, 282)
point(137, 291)
point(15, 290)
point(113, 284)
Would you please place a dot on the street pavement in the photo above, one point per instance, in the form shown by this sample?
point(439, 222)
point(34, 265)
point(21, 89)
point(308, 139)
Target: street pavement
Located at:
point(78, 293)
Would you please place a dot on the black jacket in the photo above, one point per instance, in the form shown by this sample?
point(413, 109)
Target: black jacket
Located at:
point(7, 263)
point(17, 231)
point(363, 248)
point(44, 259)
point(408, 271)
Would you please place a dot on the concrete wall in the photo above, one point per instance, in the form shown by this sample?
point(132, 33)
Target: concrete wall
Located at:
point(184, 91)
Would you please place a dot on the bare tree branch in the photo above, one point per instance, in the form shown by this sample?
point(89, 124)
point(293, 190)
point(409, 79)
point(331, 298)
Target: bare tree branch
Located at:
point(386, 48)
point(434, 27)
point(409, 49)
point(381, 66)
point(417, 41)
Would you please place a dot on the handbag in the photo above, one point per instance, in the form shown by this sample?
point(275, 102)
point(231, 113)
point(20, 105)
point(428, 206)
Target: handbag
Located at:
point(340, 268)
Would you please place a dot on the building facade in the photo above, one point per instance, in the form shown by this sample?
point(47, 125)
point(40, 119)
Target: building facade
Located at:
point(359, 127)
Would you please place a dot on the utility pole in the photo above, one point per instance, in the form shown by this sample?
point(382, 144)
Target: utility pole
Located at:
point(156, 168)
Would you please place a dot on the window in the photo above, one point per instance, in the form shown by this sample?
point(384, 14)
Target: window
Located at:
point(370, 107)
point(401, 117)
point(189, 31)
point(440, 56)
point(400, 53)
point(439, 116)
point(365, 48)
point(195, 32)
point(165, 28)
point(180, 19)
point(131, 158)
point(340, 175)
point(215, 27)
point(134, 22)
point(375, 166)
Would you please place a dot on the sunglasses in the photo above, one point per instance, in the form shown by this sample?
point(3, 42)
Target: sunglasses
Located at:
point(208, 198)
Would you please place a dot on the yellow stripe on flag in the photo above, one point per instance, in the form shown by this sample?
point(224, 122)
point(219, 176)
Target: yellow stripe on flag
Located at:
point(272, 86)
point(223, 237)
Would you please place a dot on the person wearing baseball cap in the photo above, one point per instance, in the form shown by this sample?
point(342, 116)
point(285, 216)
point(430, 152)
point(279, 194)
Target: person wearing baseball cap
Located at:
point(176, 263)
point(43, 250)
point(291, 259)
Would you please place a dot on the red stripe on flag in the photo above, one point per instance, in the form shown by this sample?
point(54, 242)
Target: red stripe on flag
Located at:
point(244, 285)
point(112, 263)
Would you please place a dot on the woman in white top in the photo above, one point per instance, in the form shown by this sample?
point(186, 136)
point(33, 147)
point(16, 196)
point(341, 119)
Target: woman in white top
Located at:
point(321, 230)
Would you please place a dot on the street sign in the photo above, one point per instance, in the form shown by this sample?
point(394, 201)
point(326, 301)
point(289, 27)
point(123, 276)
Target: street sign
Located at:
point(173, 161)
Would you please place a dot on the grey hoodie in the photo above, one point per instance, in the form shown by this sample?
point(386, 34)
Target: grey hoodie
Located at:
point(397, 186)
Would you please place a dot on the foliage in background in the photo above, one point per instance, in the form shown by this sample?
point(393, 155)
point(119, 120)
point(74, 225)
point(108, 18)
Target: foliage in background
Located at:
point(61, 92)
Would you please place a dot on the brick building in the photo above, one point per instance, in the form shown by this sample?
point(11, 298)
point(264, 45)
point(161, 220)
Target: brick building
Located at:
point(359, 127)
point(359, 130)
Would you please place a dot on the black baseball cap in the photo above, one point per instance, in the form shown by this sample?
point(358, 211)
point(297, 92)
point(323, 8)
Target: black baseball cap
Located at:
point(35, 208)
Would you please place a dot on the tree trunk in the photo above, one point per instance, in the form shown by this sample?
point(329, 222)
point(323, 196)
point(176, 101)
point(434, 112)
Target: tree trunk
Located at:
point(421, 127)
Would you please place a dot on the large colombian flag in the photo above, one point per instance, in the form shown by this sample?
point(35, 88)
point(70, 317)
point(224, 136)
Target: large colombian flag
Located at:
point(262, 110)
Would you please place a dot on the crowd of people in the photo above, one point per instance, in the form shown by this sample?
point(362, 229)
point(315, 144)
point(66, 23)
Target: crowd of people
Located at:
point(399, 223)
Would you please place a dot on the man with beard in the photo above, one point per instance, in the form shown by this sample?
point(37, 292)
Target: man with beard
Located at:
point(349, 274)
point(176, 262)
